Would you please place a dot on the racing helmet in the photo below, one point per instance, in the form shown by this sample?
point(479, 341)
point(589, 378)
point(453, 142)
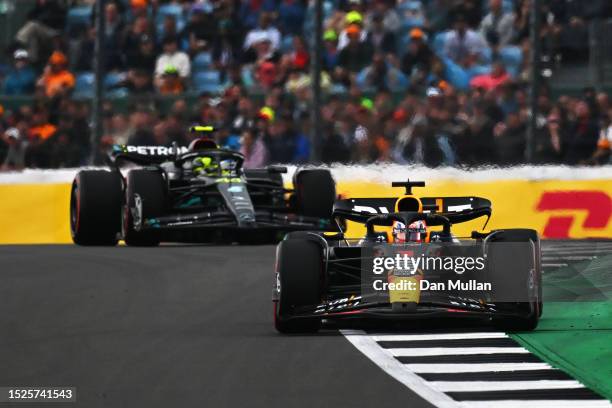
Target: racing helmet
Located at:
point(416, 232)
point(204, 166)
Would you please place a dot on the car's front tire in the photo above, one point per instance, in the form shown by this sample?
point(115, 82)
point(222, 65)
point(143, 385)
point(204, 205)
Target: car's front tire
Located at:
point(95, 207)
point(149, 188)
point(300, 270)
point(524, 270)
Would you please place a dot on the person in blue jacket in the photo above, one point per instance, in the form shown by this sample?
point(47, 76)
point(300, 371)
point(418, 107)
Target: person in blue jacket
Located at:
point(21, 79)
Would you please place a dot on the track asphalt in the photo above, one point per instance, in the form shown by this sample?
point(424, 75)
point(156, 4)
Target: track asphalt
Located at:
point(177, 326)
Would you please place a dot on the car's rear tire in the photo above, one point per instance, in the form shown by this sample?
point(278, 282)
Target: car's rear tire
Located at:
point(315, 192)
point(518, 275)
point(95, 207)
point(300, 271)
point(150, 187)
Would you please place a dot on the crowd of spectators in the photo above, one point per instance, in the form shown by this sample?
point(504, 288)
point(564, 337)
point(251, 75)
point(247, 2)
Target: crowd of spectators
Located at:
point(437, 82)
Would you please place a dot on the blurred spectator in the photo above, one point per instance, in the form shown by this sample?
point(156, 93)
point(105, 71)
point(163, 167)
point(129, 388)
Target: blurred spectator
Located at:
point(498, 76)
point(21, 79)
point(417, 59)
point(549, 141)
point(253, 149)
point(510, 140)
point(265, 31)
point(141, 121)
point(17, 145)
point(114, 28)
point(330, 51)
point(380, 75)
point(498, 22)
point(56, 79)
point(380, 36)
point(134, 34)
point(603, 154)
point(353, 24)
point(45, 23)
point(170, 82)
point(200, 30)
point(389, 17)
point(291, 15)
point(463, 45)
point(582, 136)
point(138, 82)
point(171, 56)
point(356, 55)
point(143, 56)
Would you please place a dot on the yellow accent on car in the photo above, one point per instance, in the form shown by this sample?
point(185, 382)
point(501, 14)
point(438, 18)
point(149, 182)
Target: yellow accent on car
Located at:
point(199, 128)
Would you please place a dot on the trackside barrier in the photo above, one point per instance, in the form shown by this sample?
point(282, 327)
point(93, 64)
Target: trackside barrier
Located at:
point(557, 202)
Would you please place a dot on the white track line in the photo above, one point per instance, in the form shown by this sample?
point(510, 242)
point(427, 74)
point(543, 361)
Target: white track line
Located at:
point(439, 336)
point(581, 403)
point(397, 370)
point(459, 386)
point(475, 368)
point(452, 351)
point(554, 265)
point(593, 251)
point(567, 258)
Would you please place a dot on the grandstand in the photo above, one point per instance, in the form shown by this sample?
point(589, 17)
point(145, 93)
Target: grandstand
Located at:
point(434, 82)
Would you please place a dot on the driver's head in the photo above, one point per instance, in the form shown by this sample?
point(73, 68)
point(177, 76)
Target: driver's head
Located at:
point(416, 232)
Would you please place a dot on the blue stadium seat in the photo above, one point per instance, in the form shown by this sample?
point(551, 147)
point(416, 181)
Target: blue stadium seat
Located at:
point(113, 78)
point(512, 56)
point(84, 86)
point(169, 10)
point(207, 81)
point(407, 11)
point(202, 62)
point(78, 17)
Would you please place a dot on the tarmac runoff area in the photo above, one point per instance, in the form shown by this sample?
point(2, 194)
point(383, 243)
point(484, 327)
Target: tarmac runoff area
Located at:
point(191, 325)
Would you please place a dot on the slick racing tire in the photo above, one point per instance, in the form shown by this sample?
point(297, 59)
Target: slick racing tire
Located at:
point(315, 192)
point(300, 270)
point(520, 274)
point(95, 207)
point(149, 188)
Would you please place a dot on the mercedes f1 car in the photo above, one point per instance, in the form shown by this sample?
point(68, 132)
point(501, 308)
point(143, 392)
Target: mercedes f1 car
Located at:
point(327, 277)
point(196, 194)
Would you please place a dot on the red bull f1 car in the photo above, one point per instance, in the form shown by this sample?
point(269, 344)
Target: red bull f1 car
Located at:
point(492, 276)
point(196, 194)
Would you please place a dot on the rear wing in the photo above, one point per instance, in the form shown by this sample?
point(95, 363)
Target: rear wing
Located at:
point(456, 209)
point(144, 154)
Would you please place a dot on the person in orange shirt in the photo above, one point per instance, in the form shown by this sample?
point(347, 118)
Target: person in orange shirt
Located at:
point(41, 129)
point(56, 79)
point(171, 83)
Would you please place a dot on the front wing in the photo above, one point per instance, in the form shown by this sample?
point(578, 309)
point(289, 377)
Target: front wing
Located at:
point(264, 220)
